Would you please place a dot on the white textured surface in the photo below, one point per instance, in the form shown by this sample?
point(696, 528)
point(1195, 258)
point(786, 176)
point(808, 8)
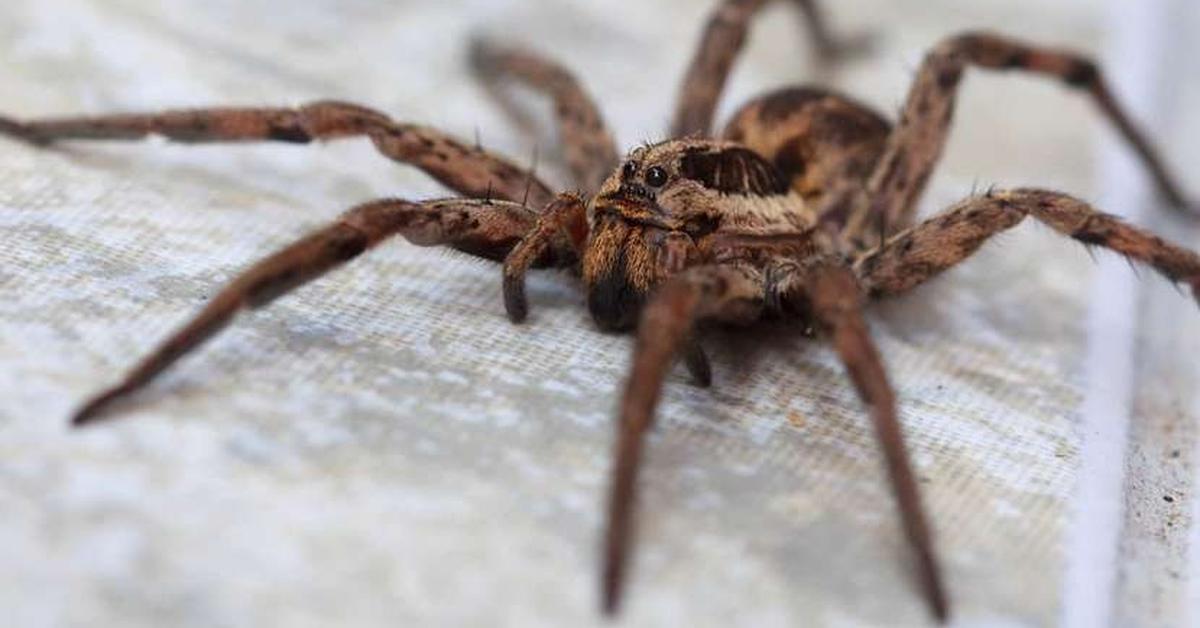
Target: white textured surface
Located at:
point(1135, 52)
point(382, 448)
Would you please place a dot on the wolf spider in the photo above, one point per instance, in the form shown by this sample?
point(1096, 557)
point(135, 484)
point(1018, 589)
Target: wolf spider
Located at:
point(803, 206)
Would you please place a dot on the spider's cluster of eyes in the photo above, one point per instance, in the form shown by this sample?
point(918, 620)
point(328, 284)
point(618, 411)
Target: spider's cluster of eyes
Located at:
point(655, 177)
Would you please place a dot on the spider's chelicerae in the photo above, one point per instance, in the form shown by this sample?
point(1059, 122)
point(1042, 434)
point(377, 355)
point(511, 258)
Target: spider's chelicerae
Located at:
point(802, 206)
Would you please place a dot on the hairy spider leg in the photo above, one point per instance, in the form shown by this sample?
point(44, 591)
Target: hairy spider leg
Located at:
point(588, 145)
point(487, 229)
point(465, 169)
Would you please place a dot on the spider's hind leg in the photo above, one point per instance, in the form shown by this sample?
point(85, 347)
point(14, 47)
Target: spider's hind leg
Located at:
point(486, 229)
point(468, 170)
point(591, 152)
point(722, 41)
point(916, 145)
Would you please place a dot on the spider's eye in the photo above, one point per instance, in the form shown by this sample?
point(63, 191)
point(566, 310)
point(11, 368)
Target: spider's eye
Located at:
point(629, 170)
point(656, 177)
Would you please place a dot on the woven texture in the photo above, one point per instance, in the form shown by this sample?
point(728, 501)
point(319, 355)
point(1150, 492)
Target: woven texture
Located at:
point(383, 448)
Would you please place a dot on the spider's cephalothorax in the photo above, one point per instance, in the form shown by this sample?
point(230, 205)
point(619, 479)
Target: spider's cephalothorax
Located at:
point(678, 204)
point(804, 206)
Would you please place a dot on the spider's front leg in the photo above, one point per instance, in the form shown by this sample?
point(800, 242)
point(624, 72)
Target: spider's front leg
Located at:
point(722, 41)
point(923, 251)
point(916, 144)
point(831, 295)
point(590, 150)
point(468, 170)
point(724, 292)
point(487, 229)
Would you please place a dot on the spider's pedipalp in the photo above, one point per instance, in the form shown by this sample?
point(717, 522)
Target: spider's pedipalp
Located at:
point(917, 141)
point(591, 152)
point(697, 363)
point(486, 229)
point(921, 252)
point(561, 227)
point(727, 292)
point(836, 301)
point(722, 41)
point(465, 169)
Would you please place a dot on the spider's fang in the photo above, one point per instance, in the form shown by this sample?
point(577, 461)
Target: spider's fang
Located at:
point(515, 303)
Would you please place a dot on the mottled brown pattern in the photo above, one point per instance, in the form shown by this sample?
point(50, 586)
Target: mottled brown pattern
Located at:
point(776, 219)
point(816, 138)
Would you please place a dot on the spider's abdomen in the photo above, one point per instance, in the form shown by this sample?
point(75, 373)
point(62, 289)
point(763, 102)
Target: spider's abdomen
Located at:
point(812, 136)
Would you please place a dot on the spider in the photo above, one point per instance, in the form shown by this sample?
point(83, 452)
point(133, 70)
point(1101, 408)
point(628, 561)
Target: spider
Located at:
point(802, 207)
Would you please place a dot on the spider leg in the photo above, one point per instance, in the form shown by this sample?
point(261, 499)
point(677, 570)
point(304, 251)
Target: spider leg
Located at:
point(730, 293)
point(916, 144)
point(722, 41)
point(561, 226)
point(591, 153)
point(911, 257)
point(484, 228)
point(835, 298)
point(469, 171)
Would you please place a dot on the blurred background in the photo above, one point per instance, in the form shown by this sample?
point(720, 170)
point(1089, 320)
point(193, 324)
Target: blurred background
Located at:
point(383, 448)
